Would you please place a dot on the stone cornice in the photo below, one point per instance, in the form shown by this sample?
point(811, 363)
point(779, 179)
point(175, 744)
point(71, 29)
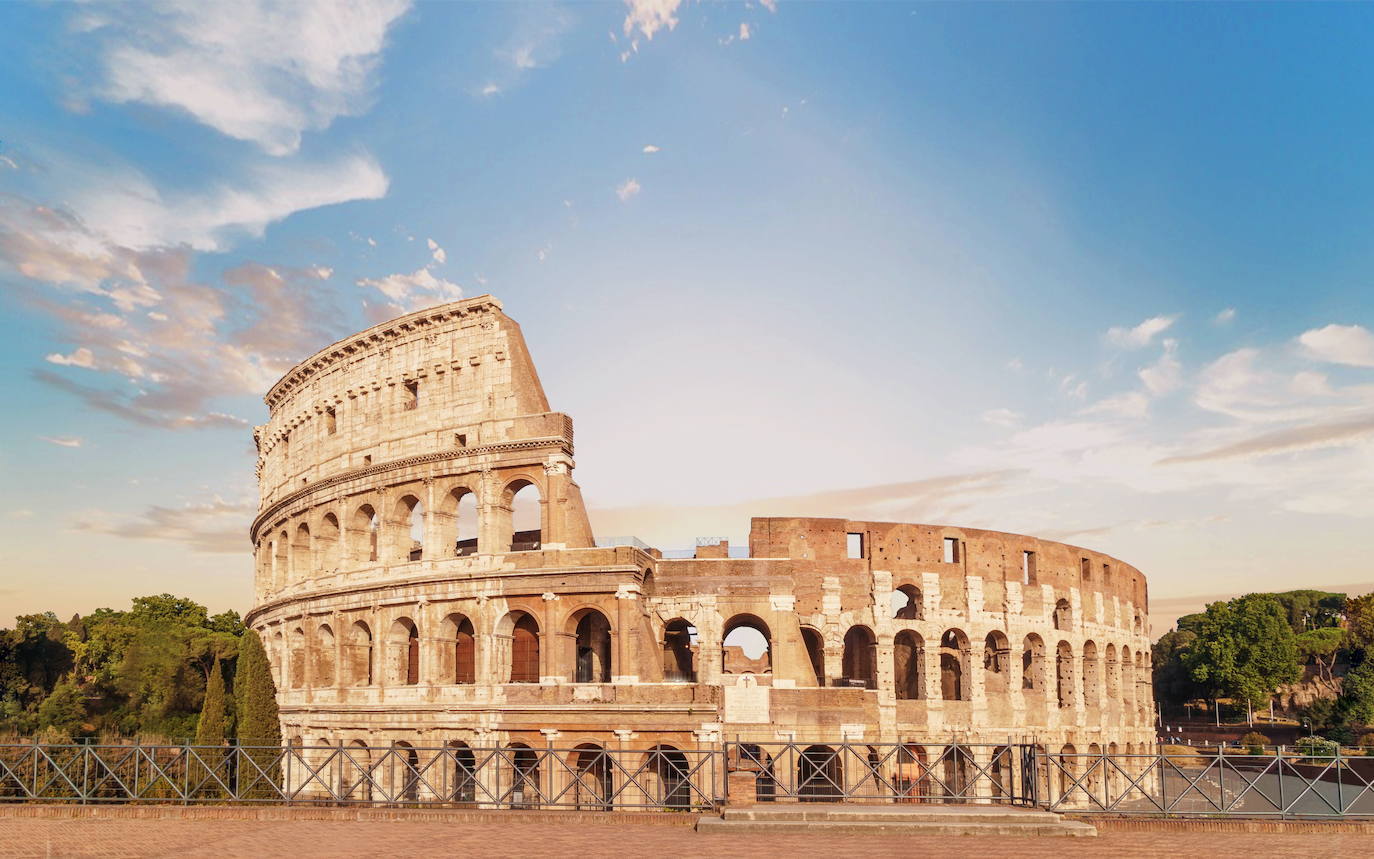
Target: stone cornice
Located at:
point(376, 336)
point(562, 443)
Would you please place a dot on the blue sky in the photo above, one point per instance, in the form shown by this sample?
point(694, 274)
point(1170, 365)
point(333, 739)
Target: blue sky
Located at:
point(1094, 272)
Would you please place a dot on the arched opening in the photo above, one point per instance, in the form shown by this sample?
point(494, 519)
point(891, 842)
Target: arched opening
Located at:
point(752, 758)
point(403, 653)
point(592, 788)
point(1033, 664)
point(815, 652)
point(296, 648)
point(859, 663)
point(524, 783)
point(996, 663)
point(359, 652)
point(328, 543)
point(1092, 673)
point(279, 657)
point(456, 523)
point(526, 532)
point(409, 761)
point(1127, 683)
point(356, 780)
point(671, 768)
point(300, 554)
point(524, 648)
point(1063, 666)
point(1063, 615)
point(679, 652)
point(1068, 770)
point(1113, 674)
point(907, 653)
point(953, 665)
point(324, 656)
point(647, 585)
point(912, 781)
point(818, 774)
point(363, 530)
point(458, 650)
point(281, 561)
point(747, 646)
point(408, 528)
point(591, 646)
point(1000, 770)
point(906, 603)
point(956, 765)
point(464, 791)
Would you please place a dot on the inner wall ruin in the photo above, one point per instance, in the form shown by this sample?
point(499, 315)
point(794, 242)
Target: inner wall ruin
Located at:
point(403, 600)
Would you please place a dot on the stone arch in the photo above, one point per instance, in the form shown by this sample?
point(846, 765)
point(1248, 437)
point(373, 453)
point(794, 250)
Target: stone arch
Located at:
point(1001, 769)
point(358, 650)
point(457, 523)
point(328, 543)
point(457, 650)
point(364, 533)
point(522, 516)
point(1068, 758)
point(908, 651)
point(1092, 676)
point(814, 643)
point(407, 529)
point(1127, 683)
point(464, 789)
point(590, 632)
point(1113, 672)
point(408, 760)
point(819, 775)
point(954, 675)
point(1033, 665)
point(295, 673)
point(592, 782)
point(906, 603)
point(279, 657)
point(860, 661)
point(356, 778)
point(518, 633)
point(323, 653)
point(752, 758)
point(1064, 674)
point(403, 653)
point(679, 651)
point(524, 779)
point(996, 662)
point(647, 585)
point(281, 560)
point(671, 772)
point(301, 561)
point(912, 780)
point(745, 633)
point(1063, 615)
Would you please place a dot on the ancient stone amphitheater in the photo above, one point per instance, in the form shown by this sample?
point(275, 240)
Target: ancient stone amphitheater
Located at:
point(404, 601)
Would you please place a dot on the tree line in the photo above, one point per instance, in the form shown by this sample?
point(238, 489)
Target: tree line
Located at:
point(164, 670)
point(1244, 649)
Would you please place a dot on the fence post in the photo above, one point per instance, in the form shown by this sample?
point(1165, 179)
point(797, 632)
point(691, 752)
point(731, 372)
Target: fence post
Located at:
point(1340, 781)
point(1283, 806)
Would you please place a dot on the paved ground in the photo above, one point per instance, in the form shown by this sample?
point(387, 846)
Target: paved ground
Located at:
point(411, 839)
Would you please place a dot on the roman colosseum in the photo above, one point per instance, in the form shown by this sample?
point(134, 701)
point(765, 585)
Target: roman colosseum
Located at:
point(427, 576)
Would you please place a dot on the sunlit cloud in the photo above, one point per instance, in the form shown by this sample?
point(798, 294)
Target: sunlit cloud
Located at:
point(1352, 345)
point(1140, 335)
point(627, 189)
point(61, 441)
point(214, 526)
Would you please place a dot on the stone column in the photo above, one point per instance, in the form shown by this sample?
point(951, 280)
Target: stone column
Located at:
point(625, 669)
point(550, 669)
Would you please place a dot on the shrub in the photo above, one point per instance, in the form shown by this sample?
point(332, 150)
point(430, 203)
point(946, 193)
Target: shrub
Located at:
point(1254, 742)
point(1317, 747)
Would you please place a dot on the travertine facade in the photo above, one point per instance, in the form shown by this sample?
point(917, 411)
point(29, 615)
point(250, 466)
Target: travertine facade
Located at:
point(393, 616)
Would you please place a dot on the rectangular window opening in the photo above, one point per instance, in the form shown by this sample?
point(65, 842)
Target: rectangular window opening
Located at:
point(1106, 572)
point(331, 421)
point(460, 439)
point(412, 395)
point(1086, 568)
point(951, 550)
point(367, 459)
point(854, 543)
point(1027, 568)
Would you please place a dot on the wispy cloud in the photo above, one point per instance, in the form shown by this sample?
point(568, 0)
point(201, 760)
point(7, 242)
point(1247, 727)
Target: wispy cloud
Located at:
point(1225, 317)
point(649, 17)
point(215, 526)
point(650, 149)
point(408, 292)
point(1352, 345)
point(61, 441)
point(438, 253)
point(1140, 335)
point(627, 189)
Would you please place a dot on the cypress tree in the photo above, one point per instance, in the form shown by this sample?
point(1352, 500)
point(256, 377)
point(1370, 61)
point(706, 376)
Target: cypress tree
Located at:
point(210, 730)
point(256, 694)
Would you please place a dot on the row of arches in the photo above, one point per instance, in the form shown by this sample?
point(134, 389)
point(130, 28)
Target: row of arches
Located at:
point(907, 603)
point(401, 532)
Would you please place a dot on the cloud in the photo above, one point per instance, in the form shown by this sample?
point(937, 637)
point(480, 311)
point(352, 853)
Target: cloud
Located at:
point(409, 292)
point(770, 5)
point(1132, 404)
point(440, 256)
point(743, 31)
point(1140, 335)
point(650, 149)
point(1166, 374)
point(627, 189)
point(488, 90)
point(264, 71)
point(650, 16)
point(82, 357)
point(1225, 317)
point(216, 526)
point(1001, 417)
point(61, 441)
point(534, 43)
point(1337, 434)
point(1352, 345)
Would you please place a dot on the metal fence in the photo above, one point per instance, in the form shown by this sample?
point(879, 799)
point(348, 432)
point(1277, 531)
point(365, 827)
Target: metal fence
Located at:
point(1277, 784)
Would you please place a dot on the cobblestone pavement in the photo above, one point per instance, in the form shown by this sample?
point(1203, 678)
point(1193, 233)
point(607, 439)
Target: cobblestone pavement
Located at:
point(226, 838)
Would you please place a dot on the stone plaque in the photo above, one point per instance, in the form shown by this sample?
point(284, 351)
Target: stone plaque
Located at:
point(746, 701)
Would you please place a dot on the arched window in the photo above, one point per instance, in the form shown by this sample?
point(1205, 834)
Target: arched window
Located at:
point(1092, 672)
point(747, 646)
point(524, 648)
point(815, 652)
point(1033, 665)
point(403, 653)
point(281, 561)
point(363, 530)
point(907, 650)
point(818, 774)
point(458, 653)
point(860, 657)
point(1063, 615)
point(1113, 674)
point(1127, 682)
point(679, 652)
point(357, 774)
point(996, 663)
point(409, 765)
point(324, 655)
point(670, 767)
point(300, 554)
point(464, 790)
point(592, 787)
point(1064, 674)
point(329, 543)
point(524, 781)
point(526, 531)
point(591, 646)
point(906, 603)
point(296, 648)
point(359, 652)
point(408, 528)
point(954, 665)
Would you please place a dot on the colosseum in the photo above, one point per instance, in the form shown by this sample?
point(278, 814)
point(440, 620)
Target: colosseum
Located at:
point(427, 577)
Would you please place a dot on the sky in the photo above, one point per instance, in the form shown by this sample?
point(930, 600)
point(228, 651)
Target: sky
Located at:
point(1094, 272)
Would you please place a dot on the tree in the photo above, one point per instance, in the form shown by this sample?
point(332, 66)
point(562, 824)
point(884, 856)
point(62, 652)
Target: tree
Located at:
point(1359, 618)
point(211, 728)
point(1244, 650)
point(1307, 609)
point(258, 720)
point(63, 710)
point(1356, 704)
point(1173, 683)
point(1320, 648)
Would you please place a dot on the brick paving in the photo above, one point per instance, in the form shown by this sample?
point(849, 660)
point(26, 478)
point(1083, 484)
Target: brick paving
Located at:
point(96, 837)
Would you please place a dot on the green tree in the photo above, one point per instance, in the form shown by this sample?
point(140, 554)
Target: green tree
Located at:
point(1244, 650)
point(1359, 618)
point(1307, 609)
point(211, 728)
point(1173, 683)
point(1321, 648)
point(64, 710)
point(256, 694)
point(1356, 704)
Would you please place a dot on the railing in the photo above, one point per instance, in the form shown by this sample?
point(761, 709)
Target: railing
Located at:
point(1276, 784)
